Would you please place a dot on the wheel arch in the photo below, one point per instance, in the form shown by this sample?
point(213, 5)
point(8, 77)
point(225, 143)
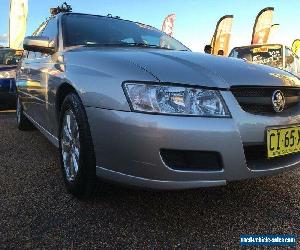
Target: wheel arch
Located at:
point(63, 90)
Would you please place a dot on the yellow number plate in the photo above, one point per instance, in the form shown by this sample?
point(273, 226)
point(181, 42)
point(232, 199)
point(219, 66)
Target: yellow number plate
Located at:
point(283, 141)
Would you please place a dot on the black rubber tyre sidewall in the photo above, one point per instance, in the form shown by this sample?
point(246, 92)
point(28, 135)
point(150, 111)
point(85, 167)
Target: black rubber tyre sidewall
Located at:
point(85, 180)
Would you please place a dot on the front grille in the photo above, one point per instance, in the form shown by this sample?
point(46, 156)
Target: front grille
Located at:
point(257, 158)
point(258, 100)
point(186, 160)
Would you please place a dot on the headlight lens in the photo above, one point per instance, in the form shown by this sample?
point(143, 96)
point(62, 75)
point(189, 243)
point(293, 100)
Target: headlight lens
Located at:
point(175, 100)
point(7, 74)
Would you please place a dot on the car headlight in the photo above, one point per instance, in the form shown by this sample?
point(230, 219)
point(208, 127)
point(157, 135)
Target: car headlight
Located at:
point(8, 74)
point(176, 100)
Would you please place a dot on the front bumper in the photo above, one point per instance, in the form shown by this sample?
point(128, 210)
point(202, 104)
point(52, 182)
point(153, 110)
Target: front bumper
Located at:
point(127, 146)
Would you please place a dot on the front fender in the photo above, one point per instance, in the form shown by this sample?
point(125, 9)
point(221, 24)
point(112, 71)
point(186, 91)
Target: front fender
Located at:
point(97, 88)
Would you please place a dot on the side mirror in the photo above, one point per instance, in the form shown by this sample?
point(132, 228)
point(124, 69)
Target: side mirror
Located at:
point(38, 44)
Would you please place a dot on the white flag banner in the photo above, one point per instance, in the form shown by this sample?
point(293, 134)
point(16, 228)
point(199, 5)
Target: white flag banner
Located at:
point(17, 23)
point(222, 35)
point(168, 24)
point(262, 26)
point(274, 34)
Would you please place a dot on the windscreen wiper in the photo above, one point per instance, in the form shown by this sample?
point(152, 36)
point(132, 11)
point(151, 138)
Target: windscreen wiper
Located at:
point(145, 45)
point(102, 44)
point(141, 45)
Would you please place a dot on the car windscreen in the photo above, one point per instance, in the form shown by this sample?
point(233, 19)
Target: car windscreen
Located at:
point(92, 30)
point(9, 56)
point(263, 54)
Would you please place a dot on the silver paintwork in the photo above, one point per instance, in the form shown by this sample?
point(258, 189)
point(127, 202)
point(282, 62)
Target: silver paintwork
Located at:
point(127, 144)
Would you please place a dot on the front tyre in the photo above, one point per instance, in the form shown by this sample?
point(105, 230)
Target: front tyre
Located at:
point(22, 121)
point(76, 148)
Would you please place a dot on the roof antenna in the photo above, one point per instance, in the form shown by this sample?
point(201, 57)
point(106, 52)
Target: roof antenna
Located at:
point(64, 8)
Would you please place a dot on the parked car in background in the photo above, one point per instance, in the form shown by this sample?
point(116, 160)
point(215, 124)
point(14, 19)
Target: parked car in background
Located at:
point(9, 59)
point(275, 55)
point(127, 103)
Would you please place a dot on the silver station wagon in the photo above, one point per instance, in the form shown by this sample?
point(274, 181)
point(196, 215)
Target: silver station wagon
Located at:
point(126, 103)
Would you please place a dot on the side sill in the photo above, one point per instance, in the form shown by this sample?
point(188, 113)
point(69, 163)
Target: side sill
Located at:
point(45, 132)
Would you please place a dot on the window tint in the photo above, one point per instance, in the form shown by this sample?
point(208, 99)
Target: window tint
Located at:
point(91, 30)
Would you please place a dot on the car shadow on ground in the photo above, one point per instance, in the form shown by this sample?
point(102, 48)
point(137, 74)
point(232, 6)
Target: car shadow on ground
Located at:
point(37, 211)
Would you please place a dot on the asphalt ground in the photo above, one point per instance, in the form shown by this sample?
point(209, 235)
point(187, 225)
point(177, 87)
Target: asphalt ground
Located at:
point(36, 211)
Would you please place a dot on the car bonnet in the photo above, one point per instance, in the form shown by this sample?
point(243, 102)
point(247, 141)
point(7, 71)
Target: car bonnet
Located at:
point(197, 69)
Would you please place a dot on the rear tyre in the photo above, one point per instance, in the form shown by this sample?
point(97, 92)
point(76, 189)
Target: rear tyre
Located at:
point(22, 121)
point(76, 148)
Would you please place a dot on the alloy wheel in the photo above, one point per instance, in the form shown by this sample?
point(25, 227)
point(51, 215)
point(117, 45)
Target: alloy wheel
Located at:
point(70, 145)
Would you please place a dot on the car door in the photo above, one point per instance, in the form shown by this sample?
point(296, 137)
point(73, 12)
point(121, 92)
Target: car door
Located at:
point(27, 86)
point(38, 69)
point(48, 71)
